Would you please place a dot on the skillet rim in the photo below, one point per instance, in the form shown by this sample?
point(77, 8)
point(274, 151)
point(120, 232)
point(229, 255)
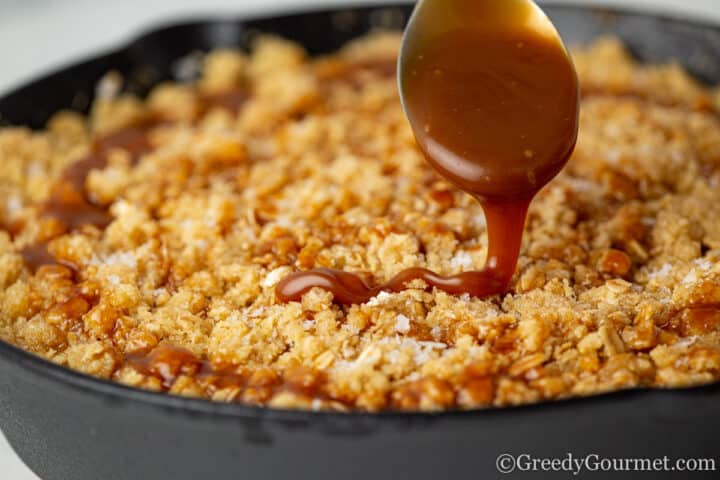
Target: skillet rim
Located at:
point(116, 392)
point(672, 15)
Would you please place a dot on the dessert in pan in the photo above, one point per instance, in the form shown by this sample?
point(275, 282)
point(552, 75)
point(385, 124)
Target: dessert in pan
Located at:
point(229, 238)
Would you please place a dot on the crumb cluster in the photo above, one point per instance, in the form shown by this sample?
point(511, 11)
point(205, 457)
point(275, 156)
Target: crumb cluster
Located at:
point(274, 162)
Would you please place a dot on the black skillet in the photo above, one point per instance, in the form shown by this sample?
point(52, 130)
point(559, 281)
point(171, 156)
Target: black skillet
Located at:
point(67, 426)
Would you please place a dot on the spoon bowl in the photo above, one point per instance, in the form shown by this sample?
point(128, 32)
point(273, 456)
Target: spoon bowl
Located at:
point(491, 93)
point(493, 99)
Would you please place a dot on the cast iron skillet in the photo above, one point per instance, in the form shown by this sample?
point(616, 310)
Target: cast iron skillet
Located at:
point(67, 426)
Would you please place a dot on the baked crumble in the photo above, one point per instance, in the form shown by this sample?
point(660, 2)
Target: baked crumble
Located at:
point(274, 162)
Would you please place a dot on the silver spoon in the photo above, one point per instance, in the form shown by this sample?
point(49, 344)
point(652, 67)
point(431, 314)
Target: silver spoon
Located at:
point(452, 52)
point(493, 99)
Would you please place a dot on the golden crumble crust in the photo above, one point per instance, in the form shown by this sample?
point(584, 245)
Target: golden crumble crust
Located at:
point(274, 162)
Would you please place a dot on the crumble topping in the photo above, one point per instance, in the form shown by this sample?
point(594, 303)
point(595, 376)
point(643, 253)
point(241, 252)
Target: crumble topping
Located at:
point(274, 162)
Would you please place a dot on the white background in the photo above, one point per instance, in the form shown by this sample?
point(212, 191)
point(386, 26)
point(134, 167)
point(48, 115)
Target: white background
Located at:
point(38, 35)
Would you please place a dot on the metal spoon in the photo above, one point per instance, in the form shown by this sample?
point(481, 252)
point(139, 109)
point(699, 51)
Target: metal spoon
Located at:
point(486, 82)
point(493, 99)
point(434, 18)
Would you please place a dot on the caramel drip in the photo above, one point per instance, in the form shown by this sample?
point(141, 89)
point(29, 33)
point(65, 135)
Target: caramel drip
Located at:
point(695, 320)
point(348, 288)
point(167, 363)
point(230, 100)
point(69, 202)
point(71, 208)
point(36, 256)
point(13, 228)
point(494, 108)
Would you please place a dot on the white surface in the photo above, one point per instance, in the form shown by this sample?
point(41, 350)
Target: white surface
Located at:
point(37, 35)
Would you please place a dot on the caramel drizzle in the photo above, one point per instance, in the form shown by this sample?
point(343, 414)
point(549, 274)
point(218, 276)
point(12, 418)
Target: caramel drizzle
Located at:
point(504, 247)
point(38, 255)
point(69, 202)
point(494, 107)
point(168, 362)
point(231, 101)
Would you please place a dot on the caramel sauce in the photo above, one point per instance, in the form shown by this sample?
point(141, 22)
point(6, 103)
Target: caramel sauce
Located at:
point(36, 256)
point(494, 107)
point(695, 320)
point(72, 208)
point(13, 228)
point(69, 202)
point(167, 363)
point(230, 100)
